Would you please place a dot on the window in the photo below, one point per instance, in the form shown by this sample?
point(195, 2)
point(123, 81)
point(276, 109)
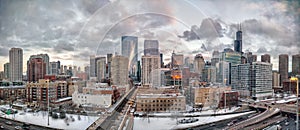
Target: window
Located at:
point(142, 109)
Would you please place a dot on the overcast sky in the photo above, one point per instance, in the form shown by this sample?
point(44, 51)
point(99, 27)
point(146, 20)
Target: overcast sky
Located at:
point(72, 30)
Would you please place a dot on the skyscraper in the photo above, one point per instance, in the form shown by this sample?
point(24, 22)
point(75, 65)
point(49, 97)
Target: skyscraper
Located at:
point(36, 69)
point(16, 64)
point(45, 58)
point(176, 60)
point(283, 67)
point(238, 42)
point(266, 58)
point(199, 64)
point(101, 68)
point(93, 66)
point(6, 71)
point(130, 50)
point(151, 47)
point(54, 68)
point(119, 70)
point(149, 63)
point(296, 64)
point(109, 59)
point(261, 80)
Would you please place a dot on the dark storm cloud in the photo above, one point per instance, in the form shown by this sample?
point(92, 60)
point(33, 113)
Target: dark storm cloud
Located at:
point(209, 29)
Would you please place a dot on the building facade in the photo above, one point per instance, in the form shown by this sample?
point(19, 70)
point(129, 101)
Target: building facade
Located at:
point(101, 68)
point(119, 70)
point(149, 64)
point(199, 64)
point(151, 47)
point(129, 49)
point(266, 58)
point(283, 67)
point(16, 64)
point(296, 64)
point(6, 71)
point(36, 69)
point(39, 93)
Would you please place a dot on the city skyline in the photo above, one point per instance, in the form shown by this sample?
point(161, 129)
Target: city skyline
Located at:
point(77, 33)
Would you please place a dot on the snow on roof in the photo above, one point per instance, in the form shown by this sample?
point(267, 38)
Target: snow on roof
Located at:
point(64, 99)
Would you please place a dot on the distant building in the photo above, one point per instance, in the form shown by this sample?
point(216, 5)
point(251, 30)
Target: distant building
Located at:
point(296, 64)
point(215, 58)
point(275, 78)
point(93, 65)
point(119, 70)
point(176, 60)
point(266, 58)
point(38, 93)
point(199, 64)
point(289, 87)
point(158, 78)
point(12, 90)
point(240, 79)
point(45, 59)
point(238, 42)
point(151, 47)
point(6, 71)
point(16, 64)
point(36, 69)
point(129, 49)
point(101, 68)
point(108, 59)
point(149, 63)
point(55, 68)
point(209, 97)
point(223, 72)
point(159, 100)
point(229, 99)
point(261, 80)
point(209, 74)
point(283, 67)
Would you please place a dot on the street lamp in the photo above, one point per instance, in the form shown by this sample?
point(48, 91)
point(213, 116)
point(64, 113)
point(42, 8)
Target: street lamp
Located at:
point(297, 116)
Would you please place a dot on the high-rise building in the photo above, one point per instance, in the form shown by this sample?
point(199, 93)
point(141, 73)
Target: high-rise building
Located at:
point(176, 60)
point(223, 72)
point(45, 58)
point(139, 71)
point(296, 64)
point(161, 60)
point(54, 68)
point(36, 69)
point(87, 71)
point(109, 59)
point(93, 66)
point(119, 70)
point(261, 80)
point(255, 78)
point(240, 79)
point(101, 67)
point(283, 67)
point(238, 42)
point(215, 58)
point(209, 74)
point(6, 70)
point(151, 47)
point(250, 57)
point(199, 64)
point(275, 78)
point(149, 63)
point(16, 64)
point(266, 58)
point(158, 78)
point(130, 50)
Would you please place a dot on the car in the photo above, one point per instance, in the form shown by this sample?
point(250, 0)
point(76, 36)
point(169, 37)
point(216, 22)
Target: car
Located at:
point(18, 127)
point(8, 122)
point(286, 123)
point(1, 127)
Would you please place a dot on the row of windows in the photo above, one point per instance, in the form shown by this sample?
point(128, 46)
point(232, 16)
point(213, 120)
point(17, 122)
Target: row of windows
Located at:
point(160, 100)
point(161, 109)
point(160, 105)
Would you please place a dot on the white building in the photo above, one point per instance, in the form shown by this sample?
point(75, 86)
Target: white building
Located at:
point(101, 68)
point(119, 70)
point(149, 63)
point(158, 77)
point(16, 64)
point(103, 100)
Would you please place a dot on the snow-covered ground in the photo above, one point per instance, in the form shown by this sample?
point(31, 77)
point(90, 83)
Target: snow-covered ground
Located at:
point(152, 123)
point(206, 112)
point(41, 118)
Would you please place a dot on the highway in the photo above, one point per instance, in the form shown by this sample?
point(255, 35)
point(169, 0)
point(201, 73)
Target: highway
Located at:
point(17, 123)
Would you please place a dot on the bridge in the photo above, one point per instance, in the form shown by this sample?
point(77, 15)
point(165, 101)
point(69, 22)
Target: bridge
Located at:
point(269, 112)
point(117, 116)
